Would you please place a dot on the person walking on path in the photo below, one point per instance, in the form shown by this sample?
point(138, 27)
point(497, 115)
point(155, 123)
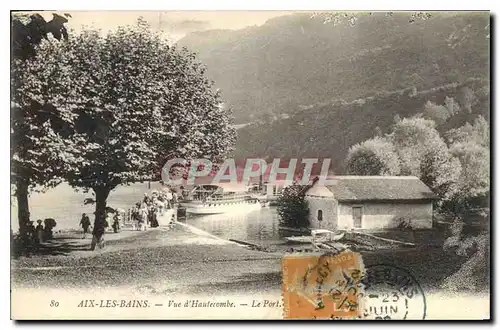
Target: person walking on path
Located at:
point(85, 223)
point(160, 204)
point(48, 225)
point(146, 199)
point(135, 216)
point(143, 217)
point(39, 232)
point(31, 232)
point(116, 223)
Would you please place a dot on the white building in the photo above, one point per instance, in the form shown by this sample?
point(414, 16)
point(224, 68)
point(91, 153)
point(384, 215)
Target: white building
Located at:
point(370, 202)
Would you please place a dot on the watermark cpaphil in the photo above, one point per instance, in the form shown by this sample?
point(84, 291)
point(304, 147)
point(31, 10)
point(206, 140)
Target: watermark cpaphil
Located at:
point(179, 171)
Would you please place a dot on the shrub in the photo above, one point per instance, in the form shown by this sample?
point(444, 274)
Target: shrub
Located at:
point(293, 209)
point(404, 223)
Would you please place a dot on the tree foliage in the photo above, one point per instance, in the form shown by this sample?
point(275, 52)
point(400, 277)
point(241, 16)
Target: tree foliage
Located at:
point(477, 133)
point(475, 174)
point(467, 98)
point(452, 105)
point(470, 144)
point(38, 128)
point(458, 172)
point(413, 138)
point(440, 171)
point(438, 113)
point(350, 18)
point(135, 102)
point(28, 31)
point(375, 156)
point(292, 208)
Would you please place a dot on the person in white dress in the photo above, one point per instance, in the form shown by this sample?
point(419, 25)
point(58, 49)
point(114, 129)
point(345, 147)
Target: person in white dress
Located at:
point(143, 217)
point(169, 197)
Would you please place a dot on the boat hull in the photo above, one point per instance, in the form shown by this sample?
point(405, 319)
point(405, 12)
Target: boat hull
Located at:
point(206, 209)
point(330, 237)
point(299, 239)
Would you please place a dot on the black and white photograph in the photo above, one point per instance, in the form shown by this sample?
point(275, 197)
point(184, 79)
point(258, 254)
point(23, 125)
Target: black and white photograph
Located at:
point(250, 165)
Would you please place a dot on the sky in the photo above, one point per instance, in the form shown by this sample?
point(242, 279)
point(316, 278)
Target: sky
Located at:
point(175, 24)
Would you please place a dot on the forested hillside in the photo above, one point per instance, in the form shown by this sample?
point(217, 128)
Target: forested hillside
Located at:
point(328, 130)
point(295, 61)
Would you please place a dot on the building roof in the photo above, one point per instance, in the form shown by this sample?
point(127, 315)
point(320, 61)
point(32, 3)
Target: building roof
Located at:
point(366, 188)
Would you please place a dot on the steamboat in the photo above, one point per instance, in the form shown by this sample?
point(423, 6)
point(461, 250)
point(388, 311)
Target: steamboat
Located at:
point(220, 198)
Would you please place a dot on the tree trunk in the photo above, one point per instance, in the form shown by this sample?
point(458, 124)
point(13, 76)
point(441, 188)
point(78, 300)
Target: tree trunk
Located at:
point(23, 211)
point(101, 194)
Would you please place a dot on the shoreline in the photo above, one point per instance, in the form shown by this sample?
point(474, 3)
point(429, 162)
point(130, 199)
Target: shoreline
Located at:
point(160, 265)
point(185, 258)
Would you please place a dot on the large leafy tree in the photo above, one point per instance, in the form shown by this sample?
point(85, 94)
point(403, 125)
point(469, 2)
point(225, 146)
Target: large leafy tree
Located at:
point(137, 102)
point(413, 138)
point(414, 147)
point(38, 127)
point(375, 156)
point(475, 176)
point(470, 144)
point(440, 170)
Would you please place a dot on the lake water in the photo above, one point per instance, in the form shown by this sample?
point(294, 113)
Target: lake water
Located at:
point(257, 226)
point(65, 205)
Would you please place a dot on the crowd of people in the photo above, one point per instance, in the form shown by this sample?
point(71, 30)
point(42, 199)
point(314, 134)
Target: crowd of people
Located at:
point(144, 214)
point(41, 232)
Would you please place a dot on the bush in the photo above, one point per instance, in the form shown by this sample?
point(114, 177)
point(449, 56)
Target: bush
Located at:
point(439, 113)
point(404, 223)
point(293, 209)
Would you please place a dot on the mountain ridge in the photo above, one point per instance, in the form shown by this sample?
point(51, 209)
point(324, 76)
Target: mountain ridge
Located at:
point(297, 60)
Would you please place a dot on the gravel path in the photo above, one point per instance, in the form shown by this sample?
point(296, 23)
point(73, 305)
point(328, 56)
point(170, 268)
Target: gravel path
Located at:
point(158, 261)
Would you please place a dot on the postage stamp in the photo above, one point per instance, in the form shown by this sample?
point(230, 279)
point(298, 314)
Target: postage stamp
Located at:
point(322, 286)
point(338, 286)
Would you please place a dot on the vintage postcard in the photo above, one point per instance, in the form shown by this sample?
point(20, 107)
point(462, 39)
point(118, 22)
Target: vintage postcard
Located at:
point(317, 165)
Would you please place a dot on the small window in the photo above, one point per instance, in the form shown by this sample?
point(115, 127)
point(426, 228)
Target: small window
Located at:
point(320, 215)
